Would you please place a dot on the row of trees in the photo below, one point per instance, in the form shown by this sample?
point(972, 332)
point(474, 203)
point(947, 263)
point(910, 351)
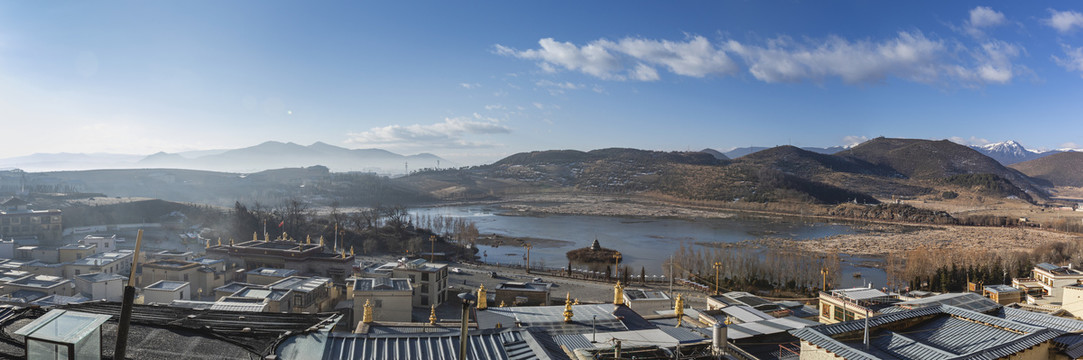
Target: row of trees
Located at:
point(374, 230)
point(754, 269)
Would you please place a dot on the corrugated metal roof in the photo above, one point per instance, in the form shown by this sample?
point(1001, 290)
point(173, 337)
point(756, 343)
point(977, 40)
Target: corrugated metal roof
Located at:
point(1040, 319)
point(513, 344)
point(900, 346)
point(956, 334)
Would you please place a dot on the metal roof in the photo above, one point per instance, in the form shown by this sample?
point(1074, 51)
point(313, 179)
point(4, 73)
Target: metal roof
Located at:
point(951, 333)
point(167, 285)
point(745, 313)
point(238, 306)
point(1040, 319)
point(766, 327)
point(859, 293)
point(511, 344)
point(1001, 288)
point(300, 283)
point(968, 301)
point(266, 271)
point(99, 277)
point(379, 284)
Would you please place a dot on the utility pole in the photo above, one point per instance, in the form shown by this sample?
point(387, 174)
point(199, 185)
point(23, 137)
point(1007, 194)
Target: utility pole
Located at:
point(717, 265)
point(671, 275)
point(616, 264)
point(432, 249)
point(126, 306)
point(528, 247)
point(823, 271)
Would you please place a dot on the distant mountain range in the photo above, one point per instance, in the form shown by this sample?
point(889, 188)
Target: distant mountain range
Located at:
point(1005, 152)
point(742, 151)
point(265, 156)
point(1062, 169)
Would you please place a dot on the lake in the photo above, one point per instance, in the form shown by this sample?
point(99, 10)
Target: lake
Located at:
point(645, 242)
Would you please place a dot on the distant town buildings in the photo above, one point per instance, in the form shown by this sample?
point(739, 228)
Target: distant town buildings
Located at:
point(18, 220)
point(304, 257)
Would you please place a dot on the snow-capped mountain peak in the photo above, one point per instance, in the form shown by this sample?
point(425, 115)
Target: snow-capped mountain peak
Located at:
point(1009, 147)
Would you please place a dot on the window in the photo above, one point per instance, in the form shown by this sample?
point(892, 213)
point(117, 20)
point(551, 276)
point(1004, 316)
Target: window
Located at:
point(424, 299)
point(424, 276)
point(378, 303)
point(425, 288)
point(825, 311)
point(839, 314)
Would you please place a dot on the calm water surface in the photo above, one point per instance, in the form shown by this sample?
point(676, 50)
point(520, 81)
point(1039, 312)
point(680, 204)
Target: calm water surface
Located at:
point(645, 242)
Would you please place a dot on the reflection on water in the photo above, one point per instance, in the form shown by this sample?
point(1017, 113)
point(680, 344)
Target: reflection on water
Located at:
point(643, 242)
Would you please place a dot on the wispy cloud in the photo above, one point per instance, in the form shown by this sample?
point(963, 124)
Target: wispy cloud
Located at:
point(1073, 60)
point(628, 58)
point(470, 85)
point(558, 88)
point(910, 56)
point(696, 57)
point(591, 59)
point(1064, 21)
point(853, 140)
point(451, 133)
point(972, 141)
point(981, 18)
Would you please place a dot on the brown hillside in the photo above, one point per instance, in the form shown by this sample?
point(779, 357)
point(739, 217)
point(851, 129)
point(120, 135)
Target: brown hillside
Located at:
point(1063, 169)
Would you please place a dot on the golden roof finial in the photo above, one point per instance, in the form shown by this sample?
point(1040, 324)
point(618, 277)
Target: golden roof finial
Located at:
point(367, 316)
point(432, 315)
point(568, 308)
point(502, 303)
point(351, 250)
point(308, 239)
point(678, 308)
point(321, 241)
point(231, 242)
point(483, 300)
point(618, 294)
point(254, 236)
point(219, 242)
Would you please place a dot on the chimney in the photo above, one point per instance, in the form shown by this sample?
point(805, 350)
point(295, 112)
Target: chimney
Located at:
point(718, 343)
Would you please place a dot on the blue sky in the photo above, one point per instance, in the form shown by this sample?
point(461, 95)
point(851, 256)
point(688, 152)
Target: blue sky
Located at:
point(475, 82)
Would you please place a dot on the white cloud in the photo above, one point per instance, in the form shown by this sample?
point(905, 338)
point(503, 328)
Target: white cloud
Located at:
point(562, 85)
point(1070, 146)
point(909, 56)
point(592, 59)
point(643, 72)
point(539, 106)
point(994, 62)
point(470, 85)
point(449, 133)
point(972, 141)
point(1073, 60)
point(494, 107)
point(983, 17)
point(557, 88)
point(1064, 21)
point(696, 57)
point(628, 58)
point(853, 140)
